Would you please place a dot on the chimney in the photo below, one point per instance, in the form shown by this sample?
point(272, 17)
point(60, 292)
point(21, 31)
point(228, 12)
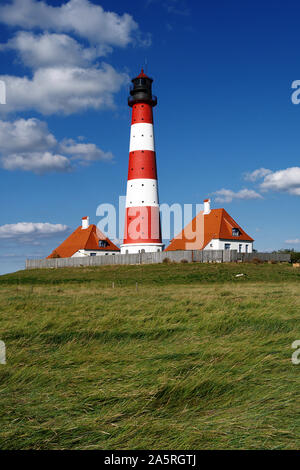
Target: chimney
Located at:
point(206, 206)
point(85, 223)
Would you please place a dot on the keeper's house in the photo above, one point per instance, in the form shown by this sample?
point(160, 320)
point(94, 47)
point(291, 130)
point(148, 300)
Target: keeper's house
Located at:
point(86, 240)
point(212, 229)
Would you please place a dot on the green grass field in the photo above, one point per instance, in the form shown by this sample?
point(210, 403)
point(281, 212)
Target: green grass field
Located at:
point(180, 356)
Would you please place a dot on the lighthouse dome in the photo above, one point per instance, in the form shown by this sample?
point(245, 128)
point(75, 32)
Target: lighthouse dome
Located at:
point(141, 90)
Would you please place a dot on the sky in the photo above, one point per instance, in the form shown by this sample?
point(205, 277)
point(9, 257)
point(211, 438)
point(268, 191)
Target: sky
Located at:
point(227, 123)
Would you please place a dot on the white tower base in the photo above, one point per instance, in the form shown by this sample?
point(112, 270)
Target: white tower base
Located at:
point(130, 248)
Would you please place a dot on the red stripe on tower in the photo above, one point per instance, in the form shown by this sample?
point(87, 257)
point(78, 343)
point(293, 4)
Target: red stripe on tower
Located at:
point(142, 220)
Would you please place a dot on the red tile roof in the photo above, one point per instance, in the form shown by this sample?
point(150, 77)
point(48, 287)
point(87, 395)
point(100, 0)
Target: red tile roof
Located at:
point(203, 228)
point(83, 239)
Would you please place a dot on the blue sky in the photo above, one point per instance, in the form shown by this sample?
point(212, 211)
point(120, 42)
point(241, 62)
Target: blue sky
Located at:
point(223, 73)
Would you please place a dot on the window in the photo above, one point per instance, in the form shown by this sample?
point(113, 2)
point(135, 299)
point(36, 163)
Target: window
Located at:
point(236, 232)
point(227, 246)
point(103, 243)
point(92, 254)
point(246, 248)
point(240, 248)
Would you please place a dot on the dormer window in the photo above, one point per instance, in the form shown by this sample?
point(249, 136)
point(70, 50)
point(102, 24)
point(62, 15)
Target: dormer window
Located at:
point(236, 232)
point(103, 243)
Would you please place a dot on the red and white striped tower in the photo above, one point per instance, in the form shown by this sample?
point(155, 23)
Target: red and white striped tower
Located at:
point(142, 220)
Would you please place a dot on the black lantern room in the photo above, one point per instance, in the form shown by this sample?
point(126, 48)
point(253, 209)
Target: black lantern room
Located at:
point(141, 90)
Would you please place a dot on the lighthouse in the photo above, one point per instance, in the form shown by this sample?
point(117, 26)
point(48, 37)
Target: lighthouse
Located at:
point(142, 232)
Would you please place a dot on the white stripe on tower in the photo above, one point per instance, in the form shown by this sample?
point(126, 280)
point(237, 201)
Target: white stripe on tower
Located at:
point(142, 192)
point(141, 137)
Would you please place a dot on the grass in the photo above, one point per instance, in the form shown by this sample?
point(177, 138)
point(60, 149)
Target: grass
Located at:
point(178, 356)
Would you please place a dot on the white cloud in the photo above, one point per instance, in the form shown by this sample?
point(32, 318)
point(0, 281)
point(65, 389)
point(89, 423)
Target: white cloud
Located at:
point(80, 17)
point(27, 145)
point(294, 241)
point(52, 50)
point(38, 162)
point(84, 152)
point(257, 174)
point(25, 135)
point(65, 78)
point(36, 254)
point(177, 7)
point(63, 89)
point(29, 229)
point(227, 195)
point(287, 180)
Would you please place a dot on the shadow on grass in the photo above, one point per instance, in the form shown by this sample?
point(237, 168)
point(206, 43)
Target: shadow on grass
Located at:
point(87, 336)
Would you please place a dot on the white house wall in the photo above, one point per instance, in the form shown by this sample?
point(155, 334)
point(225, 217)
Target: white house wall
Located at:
point(138, 248)
point(217, 244)
point(84, 253)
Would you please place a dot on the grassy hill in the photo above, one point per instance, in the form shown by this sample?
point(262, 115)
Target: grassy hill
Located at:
point(178, 356)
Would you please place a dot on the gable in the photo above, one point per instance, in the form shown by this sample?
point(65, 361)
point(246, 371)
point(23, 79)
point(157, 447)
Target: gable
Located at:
point(218, 224)
point(227, 224)
point(83, 239)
